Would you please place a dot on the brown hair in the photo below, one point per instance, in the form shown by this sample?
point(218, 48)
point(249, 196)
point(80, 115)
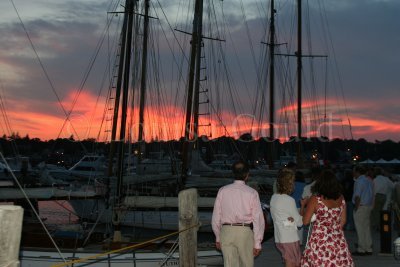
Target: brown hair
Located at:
point(240, 170)
point(285, 181)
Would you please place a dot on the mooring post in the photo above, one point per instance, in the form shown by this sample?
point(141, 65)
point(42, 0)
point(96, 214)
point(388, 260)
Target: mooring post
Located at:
point(187, 218)
point(10, 234)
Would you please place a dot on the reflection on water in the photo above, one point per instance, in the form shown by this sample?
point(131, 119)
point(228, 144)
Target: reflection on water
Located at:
point(57, 212)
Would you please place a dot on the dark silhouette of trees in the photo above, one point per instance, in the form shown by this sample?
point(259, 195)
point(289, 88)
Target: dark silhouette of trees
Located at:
point(69, 150)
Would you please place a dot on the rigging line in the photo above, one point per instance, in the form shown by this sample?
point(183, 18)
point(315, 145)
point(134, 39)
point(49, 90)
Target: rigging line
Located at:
point(248, 34)
point(109, 94)
point(8, 126)
point(162, 97)
point(325, 92)
point(86, 75)
point(262, 11)
point(93, 228)
point(337, 70)
point(226, 130)
point(107, 69)
point(184, 57)
point(41, 64)
point(173, 32)
point(239, 64)
point(32, 207)
point(3, 109)
point(250, 43)
point(7, 122)
point(158, 78)
point(314, 94)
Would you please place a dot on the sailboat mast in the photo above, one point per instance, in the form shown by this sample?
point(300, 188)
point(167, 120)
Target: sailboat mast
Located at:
point(125, 92)
point(118, 93)
point(198, 70)
point(299, 55)
point(189, 105)
point(271, 87)
point(272, 73)
point(192, 68)
point(143, 79)
point(122, 85)
point(299, 68)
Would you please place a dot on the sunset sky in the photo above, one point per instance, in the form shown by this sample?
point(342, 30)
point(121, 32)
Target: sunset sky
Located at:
point(37, 94)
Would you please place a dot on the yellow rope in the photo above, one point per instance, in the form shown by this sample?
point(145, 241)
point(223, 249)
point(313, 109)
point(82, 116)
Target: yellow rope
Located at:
point(122, 249)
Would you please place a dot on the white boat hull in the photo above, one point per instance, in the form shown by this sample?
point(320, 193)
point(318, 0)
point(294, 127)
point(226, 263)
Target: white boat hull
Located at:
point(42, 258)
point(150, 219)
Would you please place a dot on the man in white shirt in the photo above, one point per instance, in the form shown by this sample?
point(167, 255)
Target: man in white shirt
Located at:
point(383, 188)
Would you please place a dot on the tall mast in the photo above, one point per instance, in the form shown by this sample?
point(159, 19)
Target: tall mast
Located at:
point(143, 79)
point(122, 85)
point(299, 82)
point(271, 44)
point(198, 72)
point(299, 68)
point(118, 92)
point(196, 35)
point(272, 73)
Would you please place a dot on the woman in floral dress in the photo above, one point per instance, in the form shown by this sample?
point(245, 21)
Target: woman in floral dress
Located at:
point(327, 245)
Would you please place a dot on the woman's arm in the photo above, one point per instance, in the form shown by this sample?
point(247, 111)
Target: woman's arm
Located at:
point(343, 216)
point(294, 213)
point(311, 205)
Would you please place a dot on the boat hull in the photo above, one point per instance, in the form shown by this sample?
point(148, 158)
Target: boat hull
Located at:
point(150, 219)
point(43, 258)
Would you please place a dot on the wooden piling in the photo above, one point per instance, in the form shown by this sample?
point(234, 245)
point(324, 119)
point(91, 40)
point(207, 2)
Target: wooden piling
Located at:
point(10, 234)
point(187, 218)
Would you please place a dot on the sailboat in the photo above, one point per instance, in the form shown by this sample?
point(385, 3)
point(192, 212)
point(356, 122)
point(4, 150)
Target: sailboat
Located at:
point(158, 251)
point(150, 199)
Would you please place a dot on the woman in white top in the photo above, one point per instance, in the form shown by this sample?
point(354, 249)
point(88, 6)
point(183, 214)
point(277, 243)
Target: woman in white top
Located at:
point(286, 219)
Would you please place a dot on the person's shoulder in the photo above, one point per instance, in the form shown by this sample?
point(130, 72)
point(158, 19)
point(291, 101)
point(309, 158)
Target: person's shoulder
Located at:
point(314, 199)
point(286, 197)
point(248, 188)
point(282, 198)
point(225, 187)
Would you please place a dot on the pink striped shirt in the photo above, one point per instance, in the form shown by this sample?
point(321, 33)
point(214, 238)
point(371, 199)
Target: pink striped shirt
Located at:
point(238, 203)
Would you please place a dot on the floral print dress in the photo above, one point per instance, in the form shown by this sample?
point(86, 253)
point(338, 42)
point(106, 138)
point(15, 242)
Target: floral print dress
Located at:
point(327, 246)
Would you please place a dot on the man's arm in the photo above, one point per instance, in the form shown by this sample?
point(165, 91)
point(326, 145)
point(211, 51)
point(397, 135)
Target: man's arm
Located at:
point(216, 220)
point(258, 223)
point(357, 201)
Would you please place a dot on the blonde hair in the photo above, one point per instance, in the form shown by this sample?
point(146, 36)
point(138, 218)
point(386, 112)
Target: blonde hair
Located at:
point(285, 181)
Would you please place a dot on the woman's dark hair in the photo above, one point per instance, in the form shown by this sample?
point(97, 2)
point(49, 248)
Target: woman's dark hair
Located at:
point(299, 176)
point(315, 173)
point(240, 170)
point(328, 186)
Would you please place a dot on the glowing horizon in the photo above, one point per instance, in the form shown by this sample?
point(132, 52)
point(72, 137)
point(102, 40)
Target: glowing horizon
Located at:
point(86, 122)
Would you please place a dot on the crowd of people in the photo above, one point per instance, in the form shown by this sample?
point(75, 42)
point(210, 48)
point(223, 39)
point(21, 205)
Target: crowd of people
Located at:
point(309, 219)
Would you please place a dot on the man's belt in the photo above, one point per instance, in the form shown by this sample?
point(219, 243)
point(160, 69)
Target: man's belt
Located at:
point(239, 224)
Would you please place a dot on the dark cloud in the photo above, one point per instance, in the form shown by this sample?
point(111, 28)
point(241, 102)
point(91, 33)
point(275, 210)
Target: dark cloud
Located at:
point(363, 48)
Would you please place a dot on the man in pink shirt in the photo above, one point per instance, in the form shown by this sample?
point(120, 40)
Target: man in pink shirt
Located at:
point(238, 221)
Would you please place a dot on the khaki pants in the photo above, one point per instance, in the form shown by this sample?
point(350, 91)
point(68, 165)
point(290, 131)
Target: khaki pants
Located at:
point(362, 222)
point(380, 200)
point(237, 243)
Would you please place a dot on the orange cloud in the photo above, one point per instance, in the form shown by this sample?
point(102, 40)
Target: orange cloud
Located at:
point(89, 121)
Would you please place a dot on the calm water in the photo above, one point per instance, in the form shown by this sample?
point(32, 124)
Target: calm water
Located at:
point(57, 212)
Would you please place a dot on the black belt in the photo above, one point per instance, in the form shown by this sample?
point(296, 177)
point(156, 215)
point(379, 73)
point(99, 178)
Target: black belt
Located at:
point(239, 224)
